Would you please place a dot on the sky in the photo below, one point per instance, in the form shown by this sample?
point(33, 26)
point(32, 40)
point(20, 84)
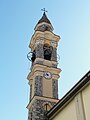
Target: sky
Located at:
point(71, 21)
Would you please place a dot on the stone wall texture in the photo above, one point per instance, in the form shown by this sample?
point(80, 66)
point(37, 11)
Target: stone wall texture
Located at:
point(55, 88)
point(37, 111)
point(39, 51)
point(38, 86)
point(54, 54)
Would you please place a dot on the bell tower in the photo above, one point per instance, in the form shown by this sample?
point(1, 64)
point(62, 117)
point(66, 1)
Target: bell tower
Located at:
point(44, 74)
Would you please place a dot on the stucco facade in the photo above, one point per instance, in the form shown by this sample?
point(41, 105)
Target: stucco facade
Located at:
point(75, 105)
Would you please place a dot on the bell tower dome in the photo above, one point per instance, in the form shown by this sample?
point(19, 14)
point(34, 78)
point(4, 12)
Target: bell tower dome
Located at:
point(44, 74)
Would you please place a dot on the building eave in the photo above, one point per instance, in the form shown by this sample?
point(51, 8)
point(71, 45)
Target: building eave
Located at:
point(69, 95)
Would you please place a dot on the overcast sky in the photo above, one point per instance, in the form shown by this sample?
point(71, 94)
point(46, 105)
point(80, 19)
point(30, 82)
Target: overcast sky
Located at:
point(70, 19)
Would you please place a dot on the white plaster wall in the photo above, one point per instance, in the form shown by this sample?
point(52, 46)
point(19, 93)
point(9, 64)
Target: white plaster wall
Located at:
point(68, 113)
point(86, 101)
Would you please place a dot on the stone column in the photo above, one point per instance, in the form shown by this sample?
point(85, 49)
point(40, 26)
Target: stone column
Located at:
point(38, 86)
point(55, 88)
point(39, 51)
point(54, 54)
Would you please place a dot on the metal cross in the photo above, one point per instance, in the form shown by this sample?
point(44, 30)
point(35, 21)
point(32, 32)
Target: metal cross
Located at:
point(44, 10)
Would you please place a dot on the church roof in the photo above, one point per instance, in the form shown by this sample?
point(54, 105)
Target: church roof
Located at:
point(44, 19)
point(81, 84)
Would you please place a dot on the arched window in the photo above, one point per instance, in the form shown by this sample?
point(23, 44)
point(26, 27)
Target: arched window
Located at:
point(47, 107)
point(47, 52)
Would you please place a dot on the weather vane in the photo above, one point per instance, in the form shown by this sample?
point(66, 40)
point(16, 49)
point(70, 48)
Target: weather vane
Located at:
point(44, 10)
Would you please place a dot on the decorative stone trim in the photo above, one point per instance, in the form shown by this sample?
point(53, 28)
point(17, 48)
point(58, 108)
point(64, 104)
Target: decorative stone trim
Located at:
point(30, 91)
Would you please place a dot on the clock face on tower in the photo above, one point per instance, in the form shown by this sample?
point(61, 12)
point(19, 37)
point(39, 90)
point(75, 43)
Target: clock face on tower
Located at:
point(47, 75)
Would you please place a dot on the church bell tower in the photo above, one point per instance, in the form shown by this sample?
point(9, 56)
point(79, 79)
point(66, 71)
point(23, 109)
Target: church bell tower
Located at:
point(44, 74)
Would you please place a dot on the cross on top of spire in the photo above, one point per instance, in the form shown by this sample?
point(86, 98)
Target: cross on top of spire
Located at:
point(44, 17)
point(44, 10)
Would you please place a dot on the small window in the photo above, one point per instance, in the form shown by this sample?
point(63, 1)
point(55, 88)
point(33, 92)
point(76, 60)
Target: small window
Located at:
point(47, 107)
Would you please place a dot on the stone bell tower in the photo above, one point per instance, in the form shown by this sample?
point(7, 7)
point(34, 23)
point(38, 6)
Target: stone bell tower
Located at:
point(44, 74)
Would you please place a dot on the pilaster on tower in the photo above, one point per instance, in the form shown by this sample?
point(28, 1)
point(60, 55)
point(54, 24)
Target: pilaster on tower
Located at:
point(44, 74)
